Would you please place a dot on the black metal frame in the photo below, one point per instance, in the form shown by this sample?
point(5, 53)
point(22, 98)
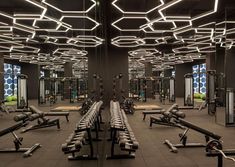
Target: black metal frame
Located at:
point(189, 75)
point(21, 76)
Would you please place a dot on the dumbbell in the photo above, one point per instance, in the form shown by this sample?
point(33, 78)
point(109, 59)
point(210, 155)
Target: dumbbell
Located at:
point(133, 145)
point(66, 147)
point(74, 136)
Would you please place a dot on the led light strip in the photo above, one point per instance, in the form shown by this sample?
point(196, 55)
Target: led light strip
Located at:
point(130, 41)
point(128, 17)
point(83, 17)
point(40, 6)
point(73, 12)
point(171, 3)
point(138, 13)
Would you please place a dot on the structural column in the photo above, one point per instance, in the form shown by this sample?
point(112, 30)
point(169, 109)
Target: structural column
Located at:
point(68, 72)
point(230, 67)
point(33, 73)
point(180, 71)
point(210, 61)
point(149, 73)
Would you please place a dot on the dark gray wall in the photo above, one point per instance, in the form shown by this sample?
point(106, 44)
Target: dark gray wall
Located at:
point(180, 71)
point(230, 67)
point(220, 60)
point(210, 61)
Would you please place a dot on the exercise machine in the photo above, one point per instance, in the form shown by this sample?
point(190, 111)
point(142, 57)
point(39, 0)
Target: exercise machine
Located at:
point(48, 88)
point(188, 90)
point(183, 136)
point(18, 141)
point(189, 95)
point(172, 89)
point(22, 91)
point(225, 115)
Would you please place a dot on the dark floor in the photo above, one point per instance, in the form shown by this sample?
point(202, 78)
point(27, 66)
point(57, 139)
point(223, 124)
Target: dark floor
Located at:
point(152, 151)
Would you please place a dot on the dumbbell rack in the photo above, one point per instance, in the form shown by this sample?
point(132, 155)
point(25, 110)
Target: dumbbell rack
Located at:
point(121, 133)
point(83, 129)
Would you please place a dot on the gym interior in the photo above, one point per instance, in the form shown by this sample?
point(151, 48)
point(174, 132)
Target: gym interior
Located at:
point(97, 83)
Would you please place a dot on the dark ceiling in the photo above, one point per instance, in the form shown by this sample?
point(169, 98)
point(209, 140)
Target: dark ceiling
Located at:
point(160, 31)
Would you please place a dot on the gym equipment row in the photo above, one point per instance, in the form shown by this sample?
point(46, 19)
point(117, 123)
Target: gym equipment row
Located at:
point(183, 136)
point(18, 141)
point(121, 133)
point(163, 86)
point(52, 89)
point(82, 134)
point(168, 117)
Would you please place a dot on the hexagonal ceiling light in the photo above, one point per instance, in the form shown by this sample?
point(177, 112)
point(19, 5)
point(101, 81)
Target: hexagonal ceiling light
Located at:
point(78, 11)
point(127, 41)
point(114, 3)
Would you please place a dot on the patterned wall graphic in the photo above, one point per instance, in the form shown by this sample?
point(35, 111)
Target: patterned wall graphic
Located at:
point(203, 78)
point(199, 76)
point(10, 79)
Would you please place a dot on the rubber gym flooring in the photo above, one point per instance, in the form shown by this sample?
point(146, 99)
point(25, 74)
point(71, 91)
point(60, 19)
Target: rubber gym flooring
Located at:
point(152, 151)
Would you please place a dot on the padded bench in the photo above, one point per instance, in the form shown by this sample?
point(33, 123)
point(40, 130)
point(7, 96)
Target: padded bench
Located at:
point(36, 110)
point(149, 112)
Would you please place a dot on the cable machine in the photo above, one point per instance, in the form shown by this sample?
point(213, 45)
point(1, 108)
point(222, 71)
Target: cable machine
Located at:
point(188, 90)
point(172, 89)
point(22, 91)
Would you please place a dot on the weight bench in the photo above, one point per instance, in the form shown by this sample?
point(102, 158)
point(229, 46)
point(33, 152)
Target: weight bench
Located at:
point(167, 117)
point(42, 121)
point(183, 136)
point(150, 112)
point(18, 141)
point(36, 110)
